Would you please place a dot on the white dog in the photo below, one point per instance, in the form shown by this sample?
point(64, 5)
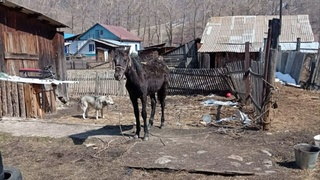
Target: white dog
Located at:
point(96, 102)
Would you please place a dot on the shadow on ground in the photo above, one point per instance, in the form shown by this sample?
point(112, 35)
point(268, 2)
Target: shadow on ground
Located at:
point(288, 164)
point(111, 130)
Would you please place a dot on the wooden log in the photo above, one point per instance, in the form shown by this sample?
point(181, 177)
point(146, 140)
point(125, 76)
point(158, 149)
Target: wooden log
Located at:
point(4, 98)
point(199, 171)
point(36, 96)
point(15, 100)
point(1, 99)
point(9, 99)
point(53, 101)
point(21, 99)
point(44, 104)
point(247, 77)
point(28, 102)
point(34, 101)
point(268, 104)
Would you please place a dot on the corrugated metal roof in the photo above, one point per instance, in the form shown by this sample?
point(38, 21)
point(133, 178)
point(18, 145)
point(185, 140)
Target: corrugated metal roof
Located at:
point(121, 32)
point(105, 42)
point(311, 47)
point(229, 33)
point(36, 14)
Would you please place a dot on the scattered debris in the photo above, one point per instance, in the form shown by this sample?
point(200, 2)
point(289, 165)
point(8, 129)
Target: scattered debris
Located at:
point(267, 163)
point(242, 117)
point(236, 164)
point(266, 152)
point(235, 157)
point(164, 159)
point(212, 102)
point(201, 152)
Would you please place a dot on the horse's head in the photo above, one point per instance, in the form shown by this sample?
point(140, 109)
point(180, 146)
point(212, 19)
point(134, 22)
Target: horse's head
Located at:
point(122, 61)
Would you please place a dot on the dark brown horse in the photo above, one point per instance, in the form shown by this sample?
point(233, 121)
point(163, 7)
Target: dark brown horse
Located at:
point(142, 80)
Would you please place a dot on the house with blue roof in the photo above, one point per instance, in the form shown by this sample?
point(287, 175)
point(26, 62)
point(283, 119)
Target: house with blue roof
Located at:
point(101, 39)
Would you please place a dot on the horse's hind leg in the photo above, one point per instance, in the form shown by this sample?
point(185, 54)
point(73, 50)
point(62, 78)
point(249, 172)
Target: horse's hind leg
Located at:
point(161, 97)
point(136, 114)
point(144, 117)
point(153, 110)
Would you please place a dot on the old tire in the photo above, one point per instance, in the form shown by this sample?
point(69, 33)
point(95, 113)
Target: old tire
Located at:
point(12, 173)
point(1, 168)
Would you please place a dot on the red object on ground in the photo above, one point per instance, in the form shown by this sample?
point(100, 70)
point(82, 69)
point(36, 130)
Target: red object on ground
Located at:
point(228, 94)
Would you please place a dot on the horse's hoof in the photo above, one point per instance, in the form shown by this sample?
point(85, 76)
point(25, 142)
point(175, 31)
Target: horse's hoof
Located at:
point(135, 136)
point(149, 126)
point(162, 127)
point(145, 139)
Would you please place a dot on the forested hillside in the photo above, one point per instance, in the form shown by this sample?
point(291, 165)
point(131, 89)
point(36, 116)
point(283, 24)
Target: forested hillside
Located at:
point(157, 21)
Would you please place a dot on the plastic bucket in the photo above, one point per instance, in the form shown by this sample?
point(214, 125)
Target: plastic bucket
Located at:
point(306, 155)
point(317, 140)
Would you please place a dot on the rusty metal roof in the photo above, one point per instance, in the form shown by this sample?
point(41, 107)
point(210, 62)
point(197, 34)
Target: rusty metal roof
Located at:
point(33, 13)
point(121, 32)
point(229, 33)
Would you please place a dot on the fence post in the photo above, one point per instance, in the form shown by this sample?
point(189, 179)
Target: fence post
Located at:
point(247, 74)
point(97, 84)
point(269, 75)
point(298, 44)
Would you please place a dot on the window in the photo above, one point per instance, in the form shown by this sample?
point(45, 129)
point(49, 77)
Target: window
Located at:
point(91, 48)
point(101, 32)
point(136, 47)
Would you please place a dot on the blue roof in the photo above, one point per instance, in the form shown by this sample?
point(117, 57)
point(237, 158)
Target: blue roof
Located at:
point(68, 35)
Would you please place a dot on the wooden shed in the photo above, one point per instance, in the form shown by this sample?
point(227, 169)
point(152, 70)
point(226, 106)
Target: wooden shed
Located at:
point(184, 56)
point(28, 39)
point(154, 51)
point(223, 40)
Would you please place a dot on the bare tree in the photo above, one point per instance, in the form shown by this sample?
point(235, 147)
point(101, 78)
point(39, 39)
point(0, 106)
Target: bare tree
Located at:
point(154, 20)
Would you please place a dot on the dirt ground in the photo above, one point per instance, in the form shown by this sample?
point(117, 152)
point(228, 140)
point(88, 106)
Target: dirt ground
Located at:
point(296, 120)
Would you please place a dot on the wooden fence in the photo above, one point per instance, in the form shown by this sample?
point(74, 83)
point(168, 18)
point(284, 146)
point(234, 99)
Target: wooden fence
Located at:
point(181, 82)
point(198, 81)
point(248, 83)
point(94, 82)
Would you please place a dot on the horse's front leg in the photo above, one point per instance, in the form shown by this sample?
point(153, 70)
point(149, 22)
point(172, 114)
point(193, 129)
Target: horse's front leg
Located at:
point(153, 110)
point(136, 114)
point(144, 117)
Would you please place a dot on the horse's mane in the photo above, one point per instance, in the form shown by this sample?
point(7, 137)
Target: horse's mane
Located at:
point(137, 65)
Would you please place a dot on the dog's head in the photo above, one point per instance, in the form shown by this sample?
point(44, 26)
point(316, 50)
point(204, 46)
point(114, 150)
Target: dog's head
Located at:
point(106, 100)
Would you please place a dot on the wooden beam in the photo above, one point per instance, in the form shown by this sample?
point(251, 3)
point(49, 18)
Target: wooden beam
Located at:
point(34, 15)
point(28, 100)
point(21, 56)
point(21, 100)
point(9, 99)
point(2, 56)
point(247, 66)
point(1, 98)
point(198, 171)
point(4, 97)
point(15, 100)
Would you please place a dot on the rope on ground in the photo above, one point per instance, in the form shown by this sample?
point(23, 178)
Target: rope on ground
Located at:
point(118, 95)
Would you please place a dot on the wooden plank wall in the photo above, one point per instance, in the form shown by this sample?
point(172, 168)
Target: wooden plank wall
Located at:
point(26, 42)
point(26, 100)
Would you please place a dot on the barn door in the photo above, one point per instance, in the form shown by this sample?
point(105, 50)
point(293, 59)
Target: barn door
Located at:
point(20, 52)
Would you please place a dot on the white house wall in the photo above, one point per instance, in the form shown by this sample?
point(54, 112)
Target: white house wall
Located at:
point(132, 45)
point(75, 46)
